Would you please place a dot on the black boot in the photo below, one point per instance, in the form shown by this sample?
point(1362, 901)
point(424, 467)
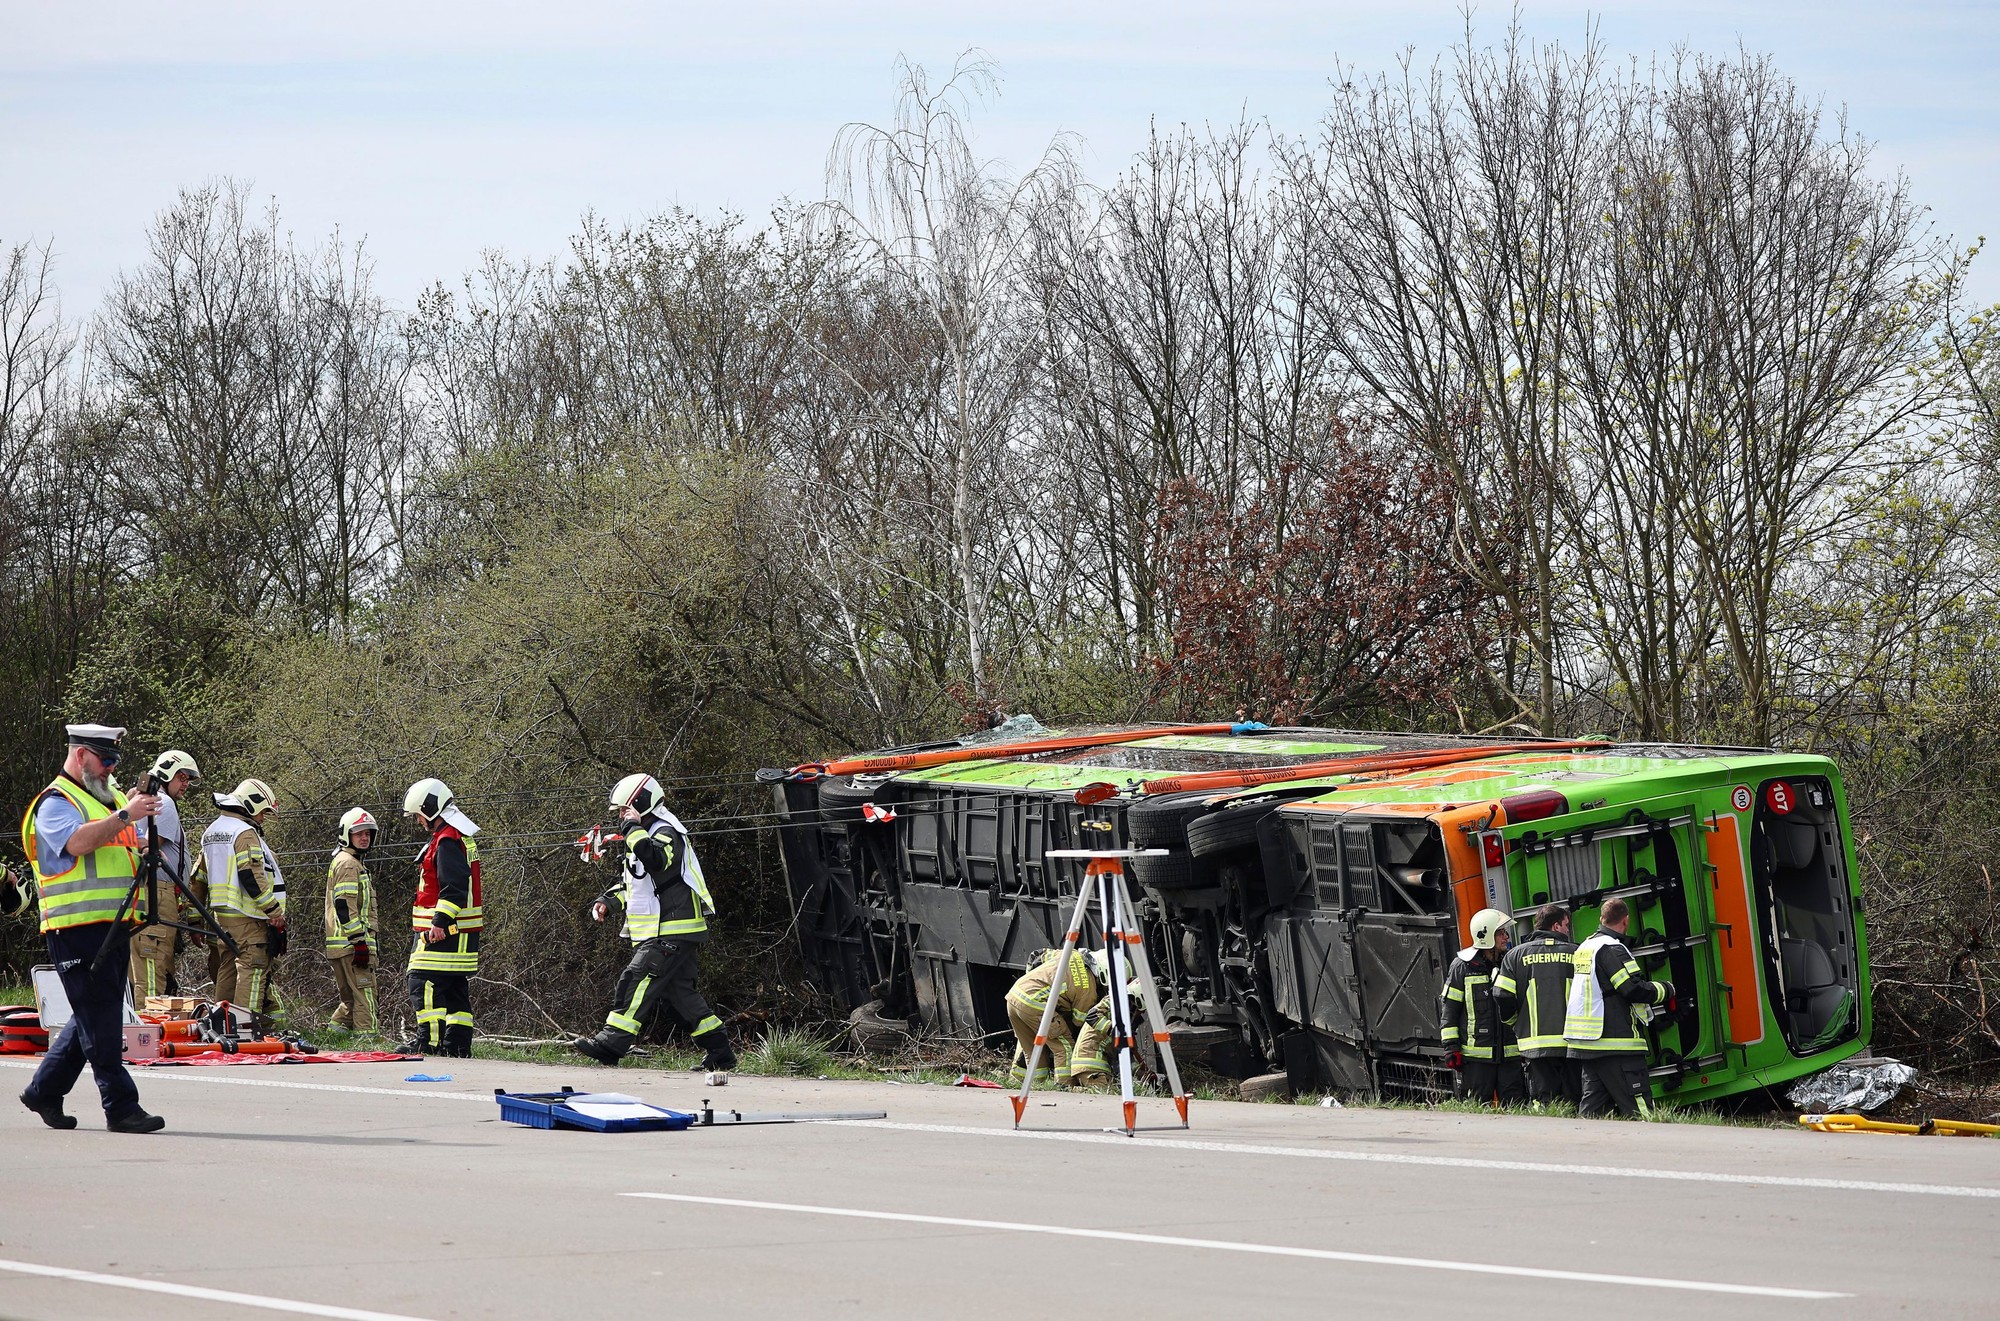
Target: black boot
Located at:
point(50, 1111)
point(137, 1121)
point(458, 1042)
point(716, 1054)
point(603, 1048)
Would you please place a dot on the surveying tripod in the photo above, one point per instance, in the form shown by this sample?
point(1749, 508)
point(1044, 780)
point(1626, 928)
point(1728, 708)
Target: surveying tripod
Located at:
point(148, 880)
point(1104, 881)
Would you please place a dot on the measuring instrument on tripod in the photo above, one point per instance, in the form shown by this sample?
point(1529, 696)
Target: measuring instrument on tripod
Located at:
point(1125, 948)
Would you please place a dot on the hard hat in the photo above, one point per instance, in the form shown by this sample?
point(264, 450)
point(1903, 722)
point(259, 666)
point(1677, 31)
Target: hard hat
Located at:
point(1100, 963)
point(171, 763)
point(356, 818)
point(1486, 924)
point(427, 798)
point(638, 791)
point(251, 798)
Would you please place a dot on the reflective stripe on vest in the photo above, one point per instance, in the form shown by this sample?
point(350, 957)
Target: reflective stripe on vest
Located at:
point(1583, 1027)
point(93, 887)
point(360, 896)
point(225, 861)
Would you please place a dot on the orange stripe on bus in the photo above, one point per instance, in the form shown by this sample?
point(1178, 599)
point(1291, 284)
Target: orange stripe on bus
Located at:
point(1736, 946)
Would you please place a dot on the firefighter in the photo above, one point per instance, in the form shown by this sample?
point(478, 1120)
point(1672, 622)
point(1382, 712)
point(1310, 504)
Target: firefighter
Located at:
point(79, 840)
point(175, 773)
point(446, 918)
point(667, 905)
point(1078, 990)
point(244, 892)
point(1480, 1044)
point(1609, 999)
point(350, 923)
point(1532, 993)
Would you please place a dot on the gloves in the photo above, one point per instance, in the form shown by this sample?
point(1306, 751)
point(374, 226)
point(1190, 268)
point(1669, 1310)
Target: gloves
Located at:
point(1667, 995)
point(1453, 1059)
point(276, 941)
point(361, 954)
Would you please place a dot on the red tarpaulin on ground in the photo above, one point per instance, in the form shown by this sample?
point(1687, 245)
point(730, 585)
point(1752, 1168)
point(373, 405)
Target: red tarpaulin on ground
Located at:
point(324, 1057)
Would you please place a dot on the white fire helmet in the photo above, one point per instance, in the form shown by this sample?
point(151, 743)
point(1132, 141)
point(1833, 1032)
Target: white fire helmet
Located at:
point(638, 791)
point(252, 798)
point(1486, 924)
point(431, 799)
point(171, 763)
point(354, 819)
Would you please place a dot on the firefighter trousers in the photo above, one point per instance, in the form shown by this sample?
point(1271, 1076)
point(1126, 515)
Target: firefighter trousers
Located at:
point(1493, 1082)
point(1555, 1078)
point(1025, 1018)
point(357, 993)
point(443, 1003)
point(152, 963)
point(245, 980)
point(1614, 1082)
point(661, 976)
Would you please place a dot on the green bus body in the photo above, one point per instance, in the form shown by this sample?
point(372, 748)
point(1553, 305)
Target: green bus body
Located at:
point(1306, 925)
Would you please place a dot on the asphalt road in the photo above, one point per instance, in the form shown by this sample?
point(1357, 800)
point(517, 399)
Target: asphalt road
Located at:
point(344, 1191)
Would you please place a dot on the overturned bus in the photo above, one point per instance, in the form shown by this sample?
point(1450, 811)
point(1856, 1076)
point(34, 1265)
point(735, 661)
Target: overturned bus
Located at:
point(1317, 882)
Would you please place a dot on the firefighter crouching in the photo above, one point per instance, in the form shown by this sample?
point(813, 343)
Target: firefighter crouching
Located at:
point(350, 923)
point(1608, 1001)
point(1078, 988)
point(667, 903)
point(1480, 1043)
point(174, 772)
point(446, 918)
point(1532, 992)
point(243, 892)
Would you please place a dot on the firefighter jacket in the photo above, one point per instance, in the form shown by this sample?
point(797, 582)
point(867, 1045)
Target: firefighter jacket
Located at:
point(1470, 1020)
point(1532, 992)
point(447, 898)
point(1076, 994)
point(242, 876)
point(662, 889)
point(350, 903)
point(1603, 992)
point(92, 888)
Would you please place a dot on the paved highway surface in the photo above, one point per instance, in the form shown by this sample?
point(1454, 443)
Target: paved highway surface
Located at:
point(344, 1191)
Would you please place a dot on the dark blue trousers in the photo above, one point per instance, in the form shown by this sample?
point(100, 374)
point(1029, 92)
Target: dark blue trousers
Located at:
point(95, 1033)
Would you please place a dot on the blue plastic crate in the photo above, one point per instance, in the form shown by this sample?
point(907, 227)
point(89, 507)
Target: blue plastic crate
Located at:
point(559, 1110)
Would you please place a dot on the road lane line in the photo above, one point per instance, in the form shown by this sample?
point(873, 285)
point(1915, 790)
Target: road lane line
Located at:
point(205, 1294)
point(1446, 1162)
point(1261, 1249)
point(198, 1073)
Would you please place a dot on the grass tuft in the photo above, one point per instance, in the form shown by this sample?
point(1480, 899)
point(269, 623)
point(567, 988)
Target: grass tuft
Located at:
point(798, 1052)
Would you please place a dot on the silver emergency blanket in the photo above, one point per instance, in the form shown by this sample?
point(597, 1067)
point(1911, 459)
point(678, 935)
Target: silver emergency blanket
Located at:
point(1866, 1082)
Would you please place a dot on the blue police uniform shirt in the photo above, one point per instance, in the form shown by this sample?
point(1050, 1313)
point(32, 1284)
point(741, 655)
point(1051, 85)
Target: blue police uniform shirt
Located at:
point(55, 821)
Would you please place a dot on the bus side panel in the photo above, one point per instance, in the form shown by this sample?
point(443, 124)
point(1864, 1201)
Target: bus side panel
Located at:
point(1736, 937)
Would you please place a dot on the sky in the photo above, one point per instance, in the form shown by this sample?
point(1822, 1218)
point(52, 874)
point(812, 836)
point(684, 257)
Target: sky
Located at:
point(437, 130)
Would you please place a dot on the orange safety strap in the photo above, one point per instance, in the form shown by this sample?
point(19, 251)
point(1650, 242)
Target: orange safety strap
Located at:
point(1385, 761)
point(917, 761)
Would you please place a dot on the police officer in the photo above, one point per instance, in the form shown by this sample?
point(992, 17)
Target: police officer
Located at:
point(80, 843)
point(1608, 1001)
point(244, 892)
point(153, 946)
point(666, 904)
point(446, 918)
point(1532, 993)
point(1078, 988)
point(350, 923)
point(1480, 1043)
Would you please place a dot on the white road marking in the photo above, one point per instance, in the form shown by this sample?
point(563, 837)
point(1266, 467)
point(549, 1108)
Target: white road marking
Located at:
point(1447, 1162)
point(1261, 1249)
point(209, 1073)
point(206, 1295)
